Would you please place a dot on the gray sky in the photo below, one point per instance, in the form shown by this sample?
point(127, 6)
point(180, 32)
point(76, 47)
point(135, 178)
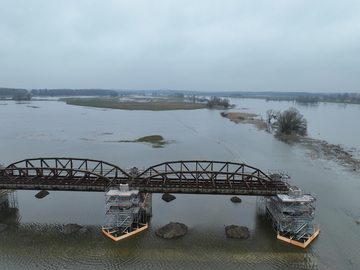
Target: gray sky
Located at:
point(228, 45)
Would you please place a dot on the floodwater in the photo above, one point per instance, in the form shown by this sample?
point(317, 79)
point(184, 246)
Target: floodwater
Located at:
point(54, 129)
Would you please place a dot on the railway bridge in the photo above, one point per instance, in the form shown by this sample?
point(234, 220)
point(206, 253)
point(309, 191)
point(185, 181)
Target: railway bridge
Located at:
point(189, 177)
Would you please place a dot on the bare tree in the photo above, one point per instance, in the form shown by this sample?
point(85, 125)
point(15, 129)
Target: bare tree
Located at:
point(271, 114)
point(291, 122)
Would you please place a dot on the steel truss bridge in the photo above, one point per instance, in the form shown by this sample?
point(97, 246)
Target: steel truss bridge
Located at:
point(199, 177)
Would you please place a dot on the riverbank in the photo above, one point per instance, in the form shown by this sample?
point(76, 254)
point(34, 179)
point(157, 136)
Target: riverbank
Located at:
point(321, 150)
point(314, 149)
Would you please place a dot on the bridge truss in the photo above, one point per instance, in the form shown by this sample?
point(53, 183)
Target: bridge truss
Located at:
point(203, 177)
point(207, 177)
point(61, 174)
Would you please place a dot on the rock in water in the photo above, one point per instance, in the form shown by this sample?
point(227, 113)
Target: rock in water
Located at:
point(3, 227)
point(235, 199)
point(167, 197)
point(171, 230)
point(237, 232)
point(42, 194)
point(71, 228)
point(357, 221)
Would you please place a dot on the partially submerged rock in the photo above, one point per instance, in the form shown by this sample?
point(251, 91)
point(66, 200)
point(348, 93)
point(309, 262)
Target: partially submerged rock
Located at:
point(235, 199)
point(42, 194)
point(3, 227)
point(237, 231)
point(357, 221)
point(71, 228)
point(167, 197)
point(171, 230)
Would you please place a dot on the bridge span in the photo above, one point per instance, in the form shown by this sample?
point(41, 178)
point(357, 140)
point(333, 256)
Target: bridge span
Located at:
point(194, 176)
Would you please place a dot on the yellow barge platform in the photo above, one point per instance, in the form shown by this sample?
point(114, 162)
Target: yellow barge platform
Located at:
point(114, 234)
point(302, 244)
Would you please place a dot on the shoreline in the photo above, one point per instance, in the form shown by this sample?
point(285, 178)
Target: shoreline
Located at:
point(314, 149)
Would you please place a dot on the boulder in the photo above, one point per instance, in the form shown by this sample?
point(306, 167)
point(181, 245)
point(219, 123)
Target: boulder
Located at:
point(235, 199)
point(71, 228)
point(357, 221)
point(171, 230)
point(3, 227)
point(237, 231)
point(167, 197)
point(41, 194)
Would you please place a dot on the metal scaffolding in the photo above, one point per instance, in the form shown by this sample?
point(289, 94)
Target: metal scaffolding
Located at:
point(126, 209)
point(291, 214)
point(8, 199)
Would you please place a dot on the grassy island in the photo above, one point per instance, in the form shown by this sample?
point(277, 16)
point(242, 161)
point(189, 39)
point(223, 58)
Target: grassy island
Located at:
point(147, 104)
point(156, 141)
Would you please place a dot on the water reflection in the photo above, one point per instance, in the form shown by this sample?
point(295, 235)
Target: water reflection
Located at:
point(342, 106)
point(10, 217)
point(309, 105)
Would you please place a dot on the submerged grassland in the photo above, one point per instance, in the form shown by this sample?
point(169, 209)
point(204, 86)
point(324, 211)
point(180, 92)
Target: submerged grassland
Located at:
point(156, 141)
point(245, 118)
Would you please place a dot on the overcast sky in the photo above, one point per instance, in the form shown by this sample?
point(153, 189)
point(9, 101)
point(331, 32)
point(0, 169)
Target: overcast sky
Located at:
point(228, 45)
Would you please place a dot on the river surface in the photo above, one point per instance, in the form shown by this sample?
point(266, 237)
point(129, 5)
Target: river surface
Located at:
point(54, 129)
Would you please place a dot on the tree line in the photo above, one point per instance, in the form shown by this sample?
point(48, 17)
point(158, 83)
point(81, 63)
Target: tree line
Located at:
point(73, 92)
point(12, 91)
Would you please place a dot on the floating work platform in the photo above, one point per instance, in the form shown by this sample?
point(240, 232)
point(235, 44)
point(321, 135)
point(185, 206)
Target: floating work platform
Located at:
point(117, 236)
point(306, 239)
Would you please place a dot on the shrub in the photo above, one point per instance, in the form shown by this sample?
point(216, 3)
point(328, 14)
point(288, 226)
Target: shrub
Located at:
point(291, 122)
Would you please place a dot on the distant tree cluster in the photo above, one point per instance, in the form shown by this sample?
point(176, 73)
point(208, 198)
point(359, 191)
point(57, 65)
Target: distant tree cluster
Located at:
point(196, 98)
point(72, 92)
point(26, 96)
point(12, 91)
point(179, 95)
point(345, 97)
point(214, 100)
point(168, 93)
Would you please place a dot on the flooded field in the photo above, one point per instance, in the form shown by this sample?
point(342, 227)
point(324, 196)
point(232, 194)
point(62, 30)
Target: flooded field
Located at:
point(55, 129)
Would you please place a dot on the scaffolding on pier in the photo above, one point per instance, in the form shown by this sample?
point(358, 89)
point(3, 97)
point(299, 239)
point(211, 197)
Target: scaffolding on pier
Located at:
point(127, 210)
point(8, 199)
point(291, 215)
